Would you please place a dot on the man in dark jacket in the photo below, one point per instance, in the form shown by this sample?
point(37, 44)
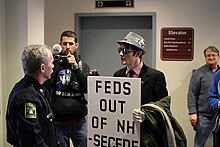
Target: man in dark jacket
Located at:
point(153, 83)
point(68, 86)
point(29, 118)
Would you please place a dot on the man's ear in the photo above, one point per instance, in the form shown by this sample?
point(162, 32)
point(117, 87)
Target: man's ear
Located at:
point(42, 68)
point(139, 53)
point(77, 45)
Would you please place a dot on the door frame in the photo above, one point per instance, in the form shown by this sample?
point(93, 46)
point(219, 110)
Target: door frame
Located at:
point(78, 25)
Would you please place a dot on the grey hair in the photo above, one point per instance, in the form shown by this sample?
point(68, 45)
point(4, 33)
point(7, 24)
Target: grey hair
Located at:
point(212, 48)
point(33, 56)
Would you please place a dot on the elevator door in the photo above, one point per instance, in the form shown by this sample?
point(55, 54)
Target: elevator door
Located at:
point(98, 35)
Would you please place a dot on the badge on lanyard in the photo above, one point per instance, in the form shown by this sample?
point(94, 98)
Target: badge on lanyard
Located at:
point(30, 110)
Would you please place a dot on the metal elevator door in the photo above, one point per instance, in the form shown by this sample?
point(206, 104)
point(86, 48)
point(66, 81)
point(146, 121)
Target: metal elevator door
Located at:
point(98, 35)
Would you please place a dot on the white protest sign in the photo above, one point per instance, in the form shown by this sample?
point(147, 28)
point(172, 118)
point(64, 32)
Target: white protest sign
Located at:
point(111, 101)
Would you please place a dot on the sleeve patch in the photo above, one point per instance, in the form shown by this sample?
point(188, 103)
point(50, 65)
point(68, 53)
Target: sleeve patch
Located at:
point(30, 110)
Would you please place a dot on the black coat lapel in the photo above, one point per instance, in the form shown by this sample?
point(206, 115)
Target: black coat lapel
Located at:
point(144, 75)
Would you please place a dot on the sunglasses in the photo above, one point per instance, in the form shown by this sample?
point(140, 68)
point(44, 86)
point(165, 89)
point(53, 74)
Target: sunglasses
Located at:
point(124, 50)
point(65, 43)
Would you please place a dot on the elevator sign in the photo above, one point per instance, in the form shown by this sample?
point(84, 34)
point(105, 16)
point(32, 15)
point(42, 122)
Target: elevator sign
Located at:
point(177, 44)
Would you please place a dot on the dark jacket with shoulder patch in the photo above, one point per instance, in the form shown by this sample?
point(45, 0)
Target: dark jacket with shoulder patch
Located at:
point(29, 117)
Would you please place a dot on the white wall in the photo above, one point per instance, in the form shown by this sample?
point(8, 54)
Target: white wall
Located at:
point(202, 15)
point(2, 67)
point(22, 23)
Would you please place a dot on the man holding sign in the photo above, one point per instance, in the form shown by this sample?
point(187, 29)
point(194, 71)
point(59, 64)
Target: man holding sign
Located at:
point(153, 82)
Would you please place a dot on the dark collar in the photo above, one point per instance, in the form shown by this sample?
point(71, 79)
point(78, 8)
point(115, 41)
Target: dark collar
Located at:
point(31, 81)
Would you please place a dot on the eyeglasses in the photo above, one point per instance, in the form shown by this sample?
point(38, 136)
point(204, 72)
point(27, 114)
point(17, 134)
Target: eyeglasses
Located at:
point(124, 50)
point(65, 43)
point(211, 55)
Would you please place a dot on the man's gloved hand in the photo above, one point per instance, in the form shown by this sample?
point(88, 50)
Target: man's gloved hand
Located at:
point(93, 72)
point(138, 115)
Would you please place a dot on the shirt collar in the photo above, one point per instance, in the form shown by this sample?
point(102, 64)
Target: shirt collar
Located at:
point(208, 66)
point(137, 69)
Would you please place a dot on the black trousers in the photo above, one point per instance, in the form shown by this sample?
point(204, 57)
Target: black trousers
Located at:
point(216, 139)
